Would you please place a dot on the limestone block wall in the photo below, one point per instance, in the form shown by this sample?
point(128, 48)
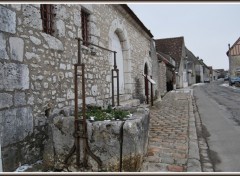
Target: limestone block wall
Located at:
point(234, 64)
point(36, 69)
point(162, 78)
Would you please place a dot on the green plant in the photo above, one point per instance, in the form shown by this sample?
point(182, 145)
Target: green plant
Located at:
point(108, 114)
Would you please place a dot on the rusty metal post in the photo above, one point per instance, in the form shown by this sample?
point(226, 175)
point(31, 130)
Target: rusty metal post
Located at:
point(84, 117)
point(146, 88)
point(77, 137)
point(79, 52)
point(117, 87)
point(115, 63)
point(151, 93)
point(113, 104)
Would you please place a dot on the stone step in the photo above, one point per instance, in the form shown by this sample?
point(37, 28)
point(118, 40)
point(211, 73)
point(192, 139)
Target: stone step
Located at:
point(123, 97)
point(129, 103)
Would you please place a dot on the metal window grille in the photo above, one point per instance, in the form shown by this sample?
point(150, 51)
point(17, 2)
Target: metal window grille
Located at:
point(47, 18)
point(84, 20)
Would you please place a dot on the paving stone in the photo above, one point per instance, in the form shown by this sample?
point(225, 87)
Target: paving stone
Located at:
point(169, 135)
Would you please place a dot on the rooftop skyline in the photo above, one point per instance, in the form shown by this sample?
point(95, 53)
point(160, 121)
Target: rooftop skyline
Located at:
point(207, 28)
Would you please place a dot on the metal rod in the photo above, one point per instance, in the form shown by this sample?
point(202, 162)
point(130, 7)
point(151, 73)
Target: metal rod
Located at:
point(96, 45)
point(84, 117)
point(77, 138)
point(113, 104)
point(117, 87)
point(121, 146)
point(79, 52)
point(146, 88)
point(115, 65)
point(151, 93)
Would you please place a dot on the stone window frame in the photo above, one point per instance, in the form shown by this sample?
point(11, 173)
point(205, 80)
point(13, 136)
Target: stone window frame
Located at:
point(85, 27)
point(47, 16)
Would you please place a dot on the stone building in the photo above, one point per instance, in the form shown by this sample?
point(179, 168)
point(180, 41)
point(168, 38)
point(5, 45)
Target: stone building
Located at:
point(37, 53)
point(233, 54)
point(191, 66)
point(175, 47)
point(168, 77)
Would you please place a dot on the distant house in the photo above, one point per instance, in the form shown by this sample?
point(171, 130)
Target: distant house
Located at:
point(191, 67)
point(215, 75)
point(210, 72)
point(221, 73)
point(169, 78)
point(233, 54)
point(175, 48)
point(199, 70)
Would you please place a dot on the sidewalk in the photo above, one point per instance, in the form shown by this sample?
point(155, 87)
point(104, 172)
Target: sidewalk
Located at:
point(173, 144)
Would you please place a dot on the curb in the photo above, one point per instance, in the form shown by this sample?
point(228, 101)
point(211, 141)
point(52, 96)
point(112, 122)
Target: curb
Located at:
point(193, 163)
point(206, 163)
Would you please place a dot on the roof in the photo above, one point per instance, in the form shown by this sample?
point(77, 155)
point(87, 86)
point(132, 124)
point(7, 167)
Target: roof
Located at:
point(171, 47)
point(191, 56)
point(235, 44)
point(132, 14)
point(166, 59)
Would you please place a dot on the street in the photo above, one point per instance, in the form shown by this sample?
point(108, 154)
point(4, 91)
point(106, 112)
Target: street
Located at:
point(218, 107)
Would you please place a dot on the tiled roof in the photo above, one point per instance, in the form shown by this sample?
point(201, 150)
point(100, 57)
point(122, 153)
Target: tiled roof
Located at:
point(167, 59)
point(191, 56)
point(171, 47)
point(233, 46)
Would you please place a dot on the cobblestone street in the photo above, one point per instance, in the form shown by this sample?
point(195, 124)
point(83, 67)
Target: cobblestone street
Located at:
point(173, 144)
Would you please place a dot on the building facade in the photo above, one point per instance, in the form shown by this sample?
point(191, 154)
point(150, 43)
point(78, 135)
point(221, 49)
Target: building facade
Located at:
point(234, 59)
point(175, 48)
point(38, 51)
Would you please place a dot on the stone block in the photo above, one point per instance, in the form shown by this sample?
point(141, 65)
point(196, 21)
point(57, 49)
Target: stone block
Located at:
point(19, 98)
point(18, 124)
point(53, 42)
point(7, 20)
point(60, 26)
point(32, 17)
point(5, 100)
point(35, 40)
point(16, 48)
point(77, 18)
point(32, 56)
point(16, 6)
point(14, 76)
point(3, 51)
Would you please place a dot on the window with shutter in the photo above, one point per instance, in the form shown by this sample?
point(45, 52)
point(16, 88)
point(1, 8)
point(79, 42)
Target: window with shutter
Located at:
point(47, 16)
point(84, 19)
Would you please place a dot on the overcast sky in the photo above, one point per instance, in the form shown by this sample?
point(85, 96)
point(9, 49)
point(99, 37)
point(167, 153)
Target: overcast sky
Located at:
point(207, 28)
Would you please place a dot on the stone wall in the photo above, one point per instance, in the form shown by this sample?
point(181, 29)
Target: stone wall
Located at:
point(234, 64)
point(36, 69)
point(156, 72)
point(162, 78)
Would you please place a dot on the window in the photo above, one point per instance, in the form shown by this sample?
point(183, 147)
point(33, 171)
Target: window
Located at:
point(84, 19)
point(47, 18)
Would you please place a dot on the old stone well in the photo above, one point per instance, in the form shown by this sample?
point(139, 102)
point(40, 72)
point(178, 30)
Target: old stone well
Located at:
point(120, 145)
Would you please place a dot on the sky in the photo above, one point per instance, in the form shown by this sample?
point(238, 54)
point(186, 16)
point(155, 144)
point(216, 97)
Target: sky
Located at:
point(207, 28)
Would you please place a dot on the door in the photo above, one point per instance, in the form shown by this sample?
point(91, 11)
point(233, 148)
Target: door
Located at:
point(116, 46)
